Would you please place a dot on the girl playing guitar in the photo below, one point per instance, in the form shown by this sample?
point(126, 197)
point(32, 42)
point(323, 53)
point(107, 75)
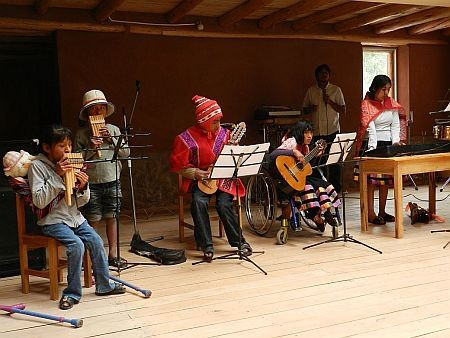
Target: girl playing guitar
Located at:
point(317, 195)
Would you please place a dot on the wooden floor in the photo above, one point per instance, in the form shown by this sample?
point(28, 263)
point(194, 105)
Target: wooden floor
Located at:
point(332, 290)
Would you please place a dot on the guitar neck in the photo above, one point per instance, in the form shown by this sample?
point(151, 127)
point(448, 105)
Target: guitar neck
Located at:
point(312, 154)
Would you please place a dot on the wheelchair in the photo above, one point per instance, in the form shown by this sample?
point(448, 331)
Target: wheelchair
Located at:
point(261, 208)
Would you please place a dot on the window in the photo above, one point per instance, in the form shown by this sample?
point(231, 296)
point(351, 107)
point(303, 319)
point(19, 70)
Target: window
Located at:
point(378, 60)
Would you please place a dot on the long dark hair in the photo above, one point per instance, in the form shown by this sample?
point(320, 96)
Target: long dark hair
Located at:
point(52, 134)
point(379, 81)
point(298, 131)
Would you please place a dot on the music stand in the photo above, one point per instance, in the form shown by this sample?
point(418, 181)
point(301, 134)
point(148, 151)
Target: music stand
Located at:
point(338, 153)
point(120, 142)
point(234, 162)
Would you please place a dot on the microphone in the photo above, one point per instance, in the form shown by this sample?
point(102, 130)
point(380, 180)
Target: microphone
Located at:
point(138, 85)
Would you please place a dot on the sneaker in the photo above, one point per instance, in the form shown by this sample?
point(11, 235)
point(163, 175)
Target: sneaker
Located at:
point(320, 224)
point(330, 218)
point(118, 289)
point(246, 249)
point(117, 262)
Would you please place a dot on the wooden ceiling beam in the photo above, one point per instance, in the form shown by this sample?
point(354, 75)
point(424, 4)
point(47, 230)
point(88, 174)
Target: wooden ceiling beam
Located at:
point(334, 12)
point(106, 8)
point(181, 10)
point(412, 20)
point(41, 6)
point(430, 26)
point(54, 22)
point(302, 7)
point(384, 12)
point(242, 11)
point(53, 25)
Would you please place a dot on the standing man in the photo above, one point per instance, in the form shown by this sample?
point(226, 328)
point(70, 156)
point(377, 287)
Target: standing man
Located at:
point(324, 102)
point(104, 181)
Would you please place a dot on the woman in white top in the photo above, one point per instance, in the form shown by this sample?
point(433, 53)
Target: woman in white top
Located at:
point(384, 121)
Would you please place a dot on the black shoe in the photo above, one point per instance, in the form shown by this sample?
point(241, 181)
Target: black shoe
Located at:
point(246, 249)
point(66, 302)
point(118, 289)
point(117, 262)
point(208, 253)
point(330, 218)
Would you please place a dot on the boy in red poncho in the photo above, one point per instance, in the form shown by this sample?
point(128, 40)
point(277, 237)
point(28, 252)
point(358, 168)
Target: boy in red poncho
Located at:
point(194, 151)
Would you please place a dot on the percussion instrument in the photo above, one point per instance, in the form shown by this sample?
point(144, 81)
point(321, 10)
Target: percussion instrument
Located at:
point(96, 122)
point(437, 132)
point(441, 130)
point(76, 161)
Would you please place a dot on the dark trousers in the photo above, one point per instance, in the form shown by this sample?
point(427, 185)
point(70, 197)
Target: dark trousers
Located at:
point(333, 172)
point(202, 225)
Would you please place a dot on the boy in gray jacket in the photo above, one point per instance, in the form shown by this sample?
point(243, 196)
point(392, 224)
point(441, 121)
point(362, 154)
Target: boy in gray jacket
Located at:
point(64, 222)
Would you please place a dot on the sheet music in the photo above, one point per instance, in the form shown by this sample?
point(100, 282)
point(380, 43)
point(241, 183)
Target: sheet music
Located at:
point(247, 158)
point(342, 144)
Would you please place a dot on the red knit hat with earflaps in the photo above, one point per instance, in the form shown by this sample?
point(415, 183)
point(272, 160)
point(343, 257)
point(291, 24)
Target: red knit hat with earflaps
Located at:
point(206, 111)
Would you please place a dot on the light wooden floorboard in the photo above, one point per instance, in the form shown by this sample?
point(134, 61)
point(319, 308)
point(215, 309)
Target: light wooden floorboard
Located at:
point(332, 290)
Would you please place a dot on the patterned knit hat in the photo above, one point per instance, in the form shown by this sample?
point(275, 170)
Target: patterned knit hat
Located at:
point(11, 158)
point(206, 111)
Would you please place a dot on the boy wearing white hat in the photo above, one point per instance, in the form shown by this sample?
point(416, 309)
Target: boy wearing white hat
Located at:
point(104, 181)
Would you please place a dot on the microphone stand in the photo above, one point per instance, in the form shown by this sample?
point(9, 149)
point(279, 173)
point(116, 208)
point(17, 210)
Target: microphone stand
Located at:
point(126, 133)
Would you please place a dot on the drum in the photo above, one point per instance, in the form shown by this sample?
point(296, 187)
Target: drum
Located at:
point(437, 132)
point(446, 132)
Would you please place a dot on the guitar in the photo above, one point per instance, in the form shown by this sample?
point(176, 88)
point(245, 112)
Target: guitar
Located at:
point(293, 172)
point(210, 186)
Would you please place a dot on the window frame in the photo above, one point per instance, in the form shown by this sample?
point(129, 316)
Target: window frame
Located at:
point(392, 65)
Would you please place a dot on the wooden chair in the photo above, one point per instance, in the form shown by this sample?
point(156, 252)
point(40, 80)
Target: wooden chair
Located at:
point(55, 265)
point(181, 220)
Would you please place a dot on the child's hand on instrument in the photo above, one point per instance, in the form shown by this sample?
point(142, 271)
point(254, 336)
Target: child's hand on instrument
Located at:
point(83, 178)
point(105, 134)
point(299, 156)
point(96, 142)
point(62, 166)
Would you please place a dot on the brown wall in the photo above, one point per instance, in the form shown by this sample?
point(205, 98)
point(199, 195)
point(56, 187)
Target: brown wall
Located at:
point(241, 74)
point(429, 81)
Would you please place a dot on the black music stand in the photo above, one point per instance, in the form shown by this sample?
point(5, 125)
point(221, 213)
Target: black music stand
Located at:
point(120, 142)
point(234, 162)
point(338, 152)
point(444, 230)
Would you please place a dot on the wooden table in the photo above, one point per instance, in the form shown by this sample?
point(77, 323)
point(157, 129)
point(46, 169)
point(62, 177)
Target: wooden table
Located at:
point(398, 166)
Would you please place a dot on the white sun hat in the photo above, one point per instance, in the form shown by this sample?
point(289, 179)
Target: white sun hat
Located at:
point(92, 97)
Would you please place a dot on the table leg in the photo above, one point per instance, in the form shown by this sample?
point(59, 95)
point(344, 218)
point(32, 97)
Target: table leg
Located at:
point(398, 197)
point(363, 199)
point(432, 192)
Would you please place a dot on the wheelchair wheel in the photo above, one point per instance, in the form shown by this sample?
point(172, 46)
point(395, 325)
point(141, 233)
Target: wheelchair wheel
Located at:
point(261, 203)
point(282, 236)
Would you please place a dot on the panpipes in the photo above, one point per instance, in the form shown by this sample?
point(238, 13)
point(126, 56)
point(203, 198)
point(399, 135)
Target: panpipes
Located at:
point(76, 161)
point(96, 122)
